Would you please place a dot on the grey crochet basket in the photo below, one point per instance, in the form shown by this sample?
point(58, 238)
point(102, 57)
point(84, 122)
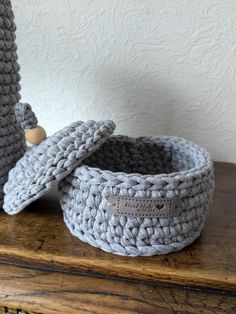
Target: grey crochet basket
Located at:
point(12, 143)
point(143, 196)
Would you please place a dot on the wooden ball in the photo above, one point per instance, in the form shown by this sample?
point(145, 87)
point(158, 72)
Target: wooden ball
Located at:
point(36, 135)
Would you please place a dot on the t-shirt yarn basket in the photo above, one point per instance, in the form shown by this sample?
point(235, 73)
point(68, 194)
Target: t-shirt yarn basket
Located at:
point(143, 196)
point(129, 196)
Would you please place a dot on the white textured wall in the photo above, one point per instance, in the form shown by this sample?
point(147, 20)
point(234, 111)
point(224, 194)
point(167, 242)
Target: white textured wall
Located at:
point(154, 67)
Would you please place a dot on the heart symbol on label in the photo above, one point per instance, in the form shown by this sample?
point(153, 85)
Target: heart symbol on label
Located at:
point(160, 206)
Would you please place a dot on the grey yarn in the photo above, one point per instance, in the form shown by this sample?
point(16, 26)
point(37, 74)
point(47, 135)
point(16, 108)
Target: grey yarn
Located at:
point(25, 116)
point(144, 167)
point(12, 143)
point(49, 162)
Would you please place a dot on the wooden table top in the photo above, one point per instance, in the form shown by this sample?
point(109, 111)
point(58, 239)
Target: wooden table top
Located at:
point(38, 240)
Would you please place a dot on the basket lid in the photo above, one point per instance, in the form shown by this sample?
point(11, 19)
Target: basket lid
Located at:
point(49, 162)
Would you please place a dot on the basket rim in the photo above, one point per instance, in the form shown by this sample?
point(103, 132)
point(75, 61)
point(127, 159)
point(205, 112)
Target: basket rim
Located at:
point(204, 168)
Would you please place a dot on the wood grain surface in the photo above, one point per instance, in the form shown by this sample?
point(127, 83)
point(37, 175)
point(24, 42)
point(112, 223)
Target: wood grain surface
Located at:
point(38, 237)
point(52, 292)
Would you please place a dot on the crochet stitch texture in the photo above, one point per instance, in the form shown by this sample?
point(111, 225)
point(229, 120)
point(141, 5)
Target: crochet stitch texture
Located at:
point(151, 167)
point(25, 116)
point(49, 162)
point(12, 143)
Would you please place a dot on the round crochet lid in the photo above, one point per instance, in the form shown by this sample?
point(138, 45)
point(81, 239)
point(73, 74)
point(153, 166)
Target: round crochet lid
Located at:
point(49, 162)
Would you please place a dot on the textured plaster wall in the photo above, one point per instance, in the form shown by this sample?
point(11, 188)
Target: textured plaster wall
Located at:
point(155, 67)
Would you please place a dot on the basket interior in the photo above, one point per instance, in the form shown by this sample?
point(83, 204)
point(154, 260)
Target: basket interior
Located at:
point(145, 155)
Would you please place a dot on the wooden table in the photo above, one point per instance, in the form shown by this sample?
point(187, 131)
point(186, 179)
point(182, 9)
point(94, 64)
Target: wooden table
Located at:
point(46, 270)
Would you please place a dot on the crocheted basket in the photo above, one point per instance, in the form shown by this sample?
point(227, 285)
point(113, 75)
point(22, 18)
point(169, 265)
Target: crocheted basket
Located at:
point(12, 144)
point(143, 196)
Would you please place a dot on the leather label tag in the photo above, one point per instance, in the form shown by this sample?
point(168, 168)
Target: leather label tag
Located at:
point(144, 207)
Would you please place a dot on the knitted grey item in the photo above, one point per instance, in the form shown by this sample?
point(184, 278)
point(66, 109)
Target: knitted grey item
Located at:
point(25, 116)
point(153, 167)
point(49, 162)
point(12, 143)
